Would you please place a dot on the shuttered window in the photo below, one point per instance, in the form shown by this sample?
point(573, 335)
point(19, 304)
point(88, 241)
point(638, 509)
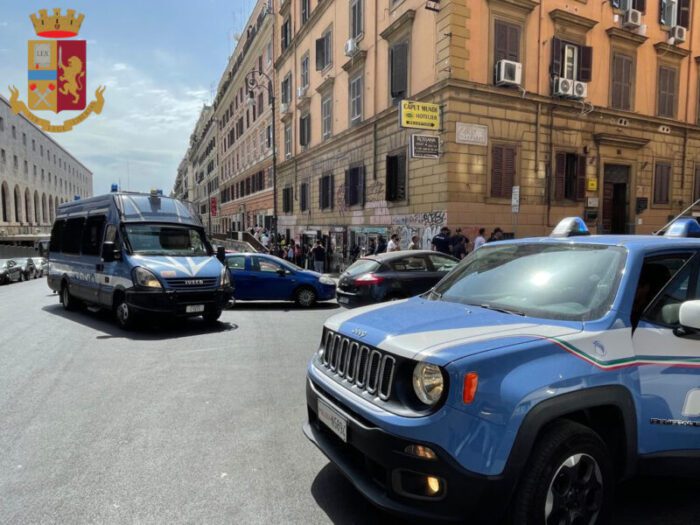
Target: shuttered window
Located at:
point(398, 60)
point(570, 176)
point(287, 200)
point(666, 92)
point(639, 5)
point(326, 190)
point(662, 182)
point(506, 41)
point(696, 185)
point(324, 55)
point(622, 83)
point(571, 61)
point(305, 130)
point(355, 186)
point(502, 170)
point(396, 177)
point(304, 196)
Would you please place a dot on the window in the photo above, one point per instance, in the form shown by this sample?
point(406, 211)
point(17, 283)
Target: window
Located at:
point(674, 13)
point(324, 56)
point(286, 89)
point(506, 41)
point(441, 263)
point(24, 139)
point(286, 36)
point(639, 5)
point(287, 200)
point(696, 183)
point(260, 264)
point(304, 80)
point(570, 177)
point(356, 22)
point(666, 92)
point(327, 115)
point(398, 64)
point(325, 192)
point(622, 82)
point(287, 140)
point(3, 156)
point(356, 98)
point(355, 186)
point(2, 124)
point(14, 132)
point(305, 130)
point(261, 103)
point(502, 170)
point(412, 263)
point(571, 61)
point(26, 168)
point(92, 235)
point(236, 262)
point(41, 150)
point(396, 177)
point(662, 182)
point(656, 273)
point(56, 236)
point(15, 162)
point(72, 235)
point(304, 196)
point(305, 10)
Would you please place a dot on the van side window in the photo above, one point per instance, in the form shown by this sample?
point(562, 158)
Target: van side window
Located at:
point(92, 235)
point(72, 234)
point(57, 236)
point(111, 233)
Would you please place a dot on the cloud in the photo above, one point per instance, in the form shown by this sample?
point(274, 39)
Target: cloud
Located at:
point(120, 66)
point(4, 24)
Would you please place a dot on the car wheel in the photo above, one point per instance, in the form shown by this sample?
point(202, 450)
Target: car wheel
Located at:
point(67, 300)
point(305, 297)
point(568, 479)
point(126, 317)
point(212, 316)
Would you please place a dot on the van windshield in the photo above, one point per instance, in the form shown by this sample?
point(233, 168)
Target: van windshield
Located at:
point(165, 239)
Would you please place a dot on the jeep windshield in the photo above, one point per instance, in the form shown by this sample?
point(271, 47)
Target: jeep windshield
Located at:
point(575, 282)
point(165, 239)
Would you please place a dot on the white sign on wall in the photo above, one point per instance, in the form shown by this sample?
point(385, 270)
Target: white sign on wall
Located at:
point(515, 200)
point(473, 134)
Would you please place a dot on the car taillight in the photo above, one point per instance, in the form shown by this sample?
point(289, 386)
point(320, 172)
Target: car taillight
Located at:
point(368, 280)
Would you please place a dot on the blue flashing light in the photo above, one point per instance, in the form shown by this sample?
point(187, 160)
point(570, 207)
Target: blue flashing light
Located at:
point(115, 188)
point(570, 227)
point(76, 197)
point(684, 227)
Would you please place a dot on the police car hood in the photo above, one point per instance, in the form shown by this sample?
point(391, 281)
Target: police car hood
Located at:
point(441, 331)
point(169, 267)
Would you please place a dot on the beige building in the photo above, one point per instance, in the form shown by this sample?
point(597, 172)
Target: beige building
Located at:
point(204, 162)
point(588, 110)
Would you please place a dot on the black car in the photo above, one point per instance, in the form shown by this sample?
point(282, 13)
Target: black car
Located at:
point(393, 275)
point(27, 266)
point(9, 271)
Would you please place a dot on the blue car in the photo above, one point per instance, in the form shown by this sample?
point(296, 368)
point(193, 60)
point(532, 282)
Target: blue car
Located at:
point(524, 385)
point(261, 277)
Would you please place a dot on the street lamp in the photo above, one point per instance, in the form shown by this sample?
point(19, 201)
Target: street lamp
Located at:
point(253, 83)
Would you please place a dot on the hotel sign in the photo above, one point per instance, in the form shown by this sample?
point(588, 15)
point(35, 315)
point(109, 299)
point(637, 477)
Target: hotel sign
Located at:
point(425, 147)
point(473, 134)
point(419, 115)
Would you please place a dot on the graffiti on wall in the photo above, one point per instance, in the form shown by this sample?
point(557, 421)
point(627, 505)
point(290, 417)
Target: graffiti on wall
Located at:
point(424, 225)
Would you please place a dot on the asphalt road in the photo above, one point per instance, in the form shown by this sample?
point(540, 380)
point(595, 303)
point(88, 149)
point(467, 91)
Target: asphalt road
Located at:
point(185, 424)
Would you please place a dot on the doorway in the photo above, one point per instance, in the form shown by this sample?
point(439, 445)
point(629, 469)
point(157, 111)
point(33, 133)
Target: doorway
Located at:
point(616, 199)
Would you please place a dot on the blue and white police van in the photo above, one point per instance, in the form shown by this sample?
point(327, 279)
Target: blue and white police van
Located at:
point(136, 254)
point(524, 385)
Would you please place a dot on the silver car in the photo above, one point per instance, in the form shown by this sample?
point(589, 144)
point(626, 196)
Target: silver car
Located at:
point(10, 271)
point(42, 266)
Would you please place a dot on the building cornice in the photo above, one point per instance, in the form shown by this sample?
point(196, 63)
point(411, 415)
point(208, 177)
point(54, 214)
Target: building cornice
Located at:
point(619, 141)
point(566, 18)
point(406, 19)
point(326, 84)
point(356, 61)
point(519, 5)
point(667, 50)
point(621, 35)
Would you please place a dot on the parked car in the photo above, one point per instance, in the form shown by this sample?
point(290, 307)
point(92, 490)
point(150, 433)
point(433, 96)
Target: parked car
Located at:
point(27, 266)
point(393, 275)
point(263, 277)
point(526, 384)
point(10, 271)
point(42, 266)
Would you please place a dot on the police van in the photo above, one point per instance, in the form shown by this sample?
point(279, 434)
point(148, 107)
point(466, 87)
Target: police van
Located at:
point(524, 385)
point(136, 254)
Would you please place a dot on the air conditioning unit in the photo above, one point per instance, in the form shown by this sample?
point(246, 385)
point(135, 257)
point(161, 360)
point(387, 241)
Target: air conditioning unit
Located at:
point(580, 89)
point(678, 33)
point(351, 47)
point(632, 19)
point(563, 87)
point(509, 73)
point(301, 91)
point(284, 108)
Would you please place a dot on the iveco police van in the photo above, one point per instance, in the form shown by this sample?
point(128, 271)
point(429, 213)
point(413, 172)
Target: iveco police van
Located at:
point(136, 254)
point(524, 385)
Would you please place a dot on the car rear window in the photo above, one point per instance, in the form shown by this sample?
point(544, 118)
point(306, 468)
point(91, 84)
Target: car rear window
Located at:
point(362, 266)
point(410, 264)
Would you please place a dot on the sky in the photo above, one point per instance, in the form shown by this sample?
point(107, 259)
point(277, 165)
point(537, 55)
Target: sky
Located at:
point(160, 62)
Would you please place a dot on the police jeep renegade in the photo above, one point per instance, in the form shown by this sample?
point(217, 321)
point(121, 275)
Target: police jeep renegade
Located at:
point(533, 377)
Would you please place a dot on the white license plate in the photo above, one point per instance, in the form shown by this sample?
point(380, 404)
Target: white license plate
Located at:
point(343, 300)
point(194, 308)
point(333, 420)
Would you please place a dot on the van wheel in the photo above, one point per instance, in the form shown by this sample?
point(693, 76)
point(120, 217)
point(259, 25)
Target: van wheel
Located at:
point(126, 317)
point(568, 479)
point(305, 297)
point(67, 300)
point(212, 316)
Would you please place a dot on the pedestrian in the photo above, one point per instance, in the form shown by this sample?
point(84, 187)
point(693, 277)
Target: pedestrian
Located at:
point(458, 244)
point(371, 247)
point(441, 242)
point(381, 246)
point(497, 235)
point(354, 252)
point(415, 244)
point(265, 240)
point(480, 239)
point(319, 256)
point(290, 251)
point(394, 243)
point(298, 255)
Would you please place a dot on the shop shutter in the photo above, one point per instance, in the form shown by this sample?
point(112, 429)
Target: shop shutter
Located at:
point(560, 176)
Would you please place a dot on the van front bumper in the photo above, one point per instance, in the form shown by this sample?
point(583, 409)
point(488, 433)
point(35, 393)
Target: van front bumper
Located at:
point(377, 464)
point(175, 302)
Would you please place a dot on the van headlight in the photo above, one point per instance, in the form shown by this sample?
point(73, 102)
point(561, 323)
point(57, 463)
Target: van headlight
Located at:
point(225, 278)
point(145, 278)
point(428, 383)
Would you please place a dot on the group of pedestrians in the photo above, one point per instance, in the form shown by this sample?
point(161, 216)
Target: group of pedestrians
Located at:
point(457, 245)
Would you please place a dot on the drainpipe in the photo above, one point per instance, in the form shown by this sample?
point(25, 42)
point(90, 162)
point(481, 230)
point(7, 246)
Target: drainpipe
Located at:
point(537, 139)
point(548, 177)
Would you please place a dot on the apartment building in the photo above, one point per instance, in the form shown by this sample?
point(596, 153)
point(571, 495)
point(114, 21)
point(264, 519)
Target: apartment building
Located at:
point(243, 112)
point(204, 161)
point(585, 109)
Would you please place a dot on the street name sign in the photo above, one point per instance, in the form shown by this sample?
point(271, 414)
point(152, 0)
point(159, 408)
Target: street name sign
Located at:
point(473, 134)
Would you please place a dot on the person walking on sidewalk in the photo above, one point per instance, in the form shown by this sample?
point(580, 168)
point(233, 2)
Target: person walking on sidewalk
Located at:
point(394, 243)
point(415, 243)
point(480, 239)
point(319, 256)
point(441, 242)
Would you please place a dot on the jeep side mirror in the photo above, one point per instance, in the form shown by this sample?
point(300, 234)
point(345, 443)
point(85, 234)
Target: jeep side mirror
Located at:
point(108, 251)
point(221, 254)
point(689, 315)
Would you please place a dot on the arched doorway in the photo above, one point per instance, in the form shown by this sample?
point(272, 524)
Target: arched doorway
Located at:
point(28, 209)
point(37, 208)
point(44, 211)
point(5, 202)
point(51, 209)
point(18, 205)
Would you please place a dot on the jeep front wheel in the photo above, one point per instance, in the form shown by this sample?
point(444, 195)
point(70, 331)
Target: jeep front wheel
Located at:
point(568, 479)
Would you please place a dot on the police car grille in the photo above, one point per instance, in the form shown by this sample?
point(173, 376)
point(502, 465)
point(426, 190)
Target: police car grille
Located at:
point(189, 284)
point(367, 368)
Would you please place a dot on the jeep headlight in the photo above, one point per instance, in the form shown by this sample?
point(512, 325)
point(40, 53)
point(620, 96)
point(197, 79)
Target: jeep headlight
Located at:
point(324, 279)
point(145, 278)
point(428, 383)
point(225, 278)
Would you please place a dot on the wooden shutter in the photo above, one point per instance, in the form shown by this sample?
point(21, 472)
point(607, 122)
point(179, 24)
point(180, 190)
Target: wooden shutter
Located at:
point(555, 65)
point(500, 50)
point(640, 5)
point(661, 99)
point(399, 69)
point(662, 178)
point(696, 184)
point(581, 178)
point(513, 45)
point(302, 132)
point(627, 83)
point(331, 190)
point(622, 82)
point(390, 177)
point(616, 84)
point(585, 63)
point(320, 193)
point(320, 54)
point(361, 185)
point(684, 13)
point(560, 176)
point(508, 171)
point(497, 171)
point(347, 187)
point(401, 175)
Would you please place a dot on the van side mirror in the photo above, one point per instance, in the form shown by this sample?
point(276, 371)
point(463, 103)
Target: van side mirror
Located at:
point(221, 254)
point(109, 251)
point(689, 315)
